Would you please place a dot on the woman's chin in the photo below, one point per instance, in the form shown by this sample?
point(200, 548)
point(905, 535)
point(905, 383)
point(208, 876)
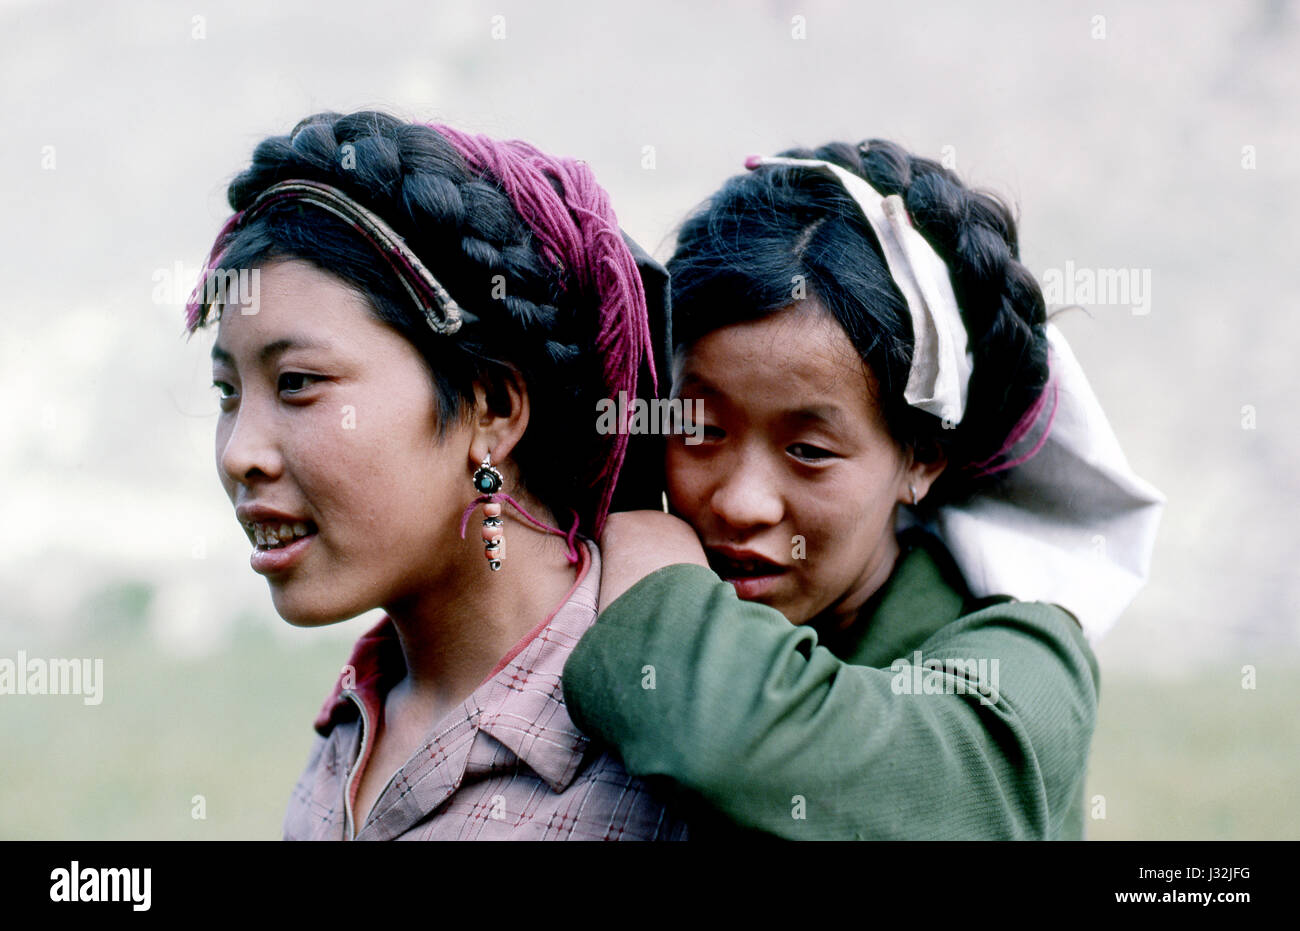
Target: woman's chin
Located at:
point(304, 614)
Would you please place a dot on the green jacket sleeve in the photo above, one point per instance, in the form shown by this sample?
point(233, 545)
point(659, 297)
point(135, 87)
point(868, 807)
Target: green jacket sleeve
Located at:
point(746, 713)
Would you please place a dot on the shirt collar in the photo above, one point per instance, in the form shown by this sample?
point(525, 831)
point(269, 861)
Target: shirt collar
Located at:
point(520, 704)
point(375, 666)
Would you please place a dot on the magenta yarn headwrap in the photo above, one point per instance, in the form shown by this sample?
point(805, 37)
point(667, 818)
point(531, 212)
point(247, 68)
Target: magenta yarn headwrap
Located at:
point(577, 229)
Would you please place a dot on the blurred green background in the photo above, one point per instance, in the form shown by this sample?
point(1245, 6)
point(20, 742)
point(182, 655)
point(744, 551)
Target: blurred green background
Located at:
point(1194, 756)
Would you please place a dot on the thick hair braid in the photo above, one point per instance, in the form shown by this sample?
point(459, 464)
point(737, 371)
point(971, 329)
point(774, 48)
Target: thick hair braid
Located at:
point(974, 232)
point(518, 306)
point(421, 185)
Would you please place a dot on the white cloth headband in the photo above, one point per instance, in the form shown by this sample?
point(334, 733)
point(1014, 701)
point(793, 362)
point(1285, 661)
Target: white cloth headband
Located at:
point(1073, 525)
point(941, 363)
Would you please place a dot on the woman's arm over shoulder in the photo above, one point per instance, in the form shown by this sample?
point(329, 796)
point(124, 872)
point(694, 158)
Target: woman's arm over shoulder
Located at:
point(634, 544)
point(731, 703)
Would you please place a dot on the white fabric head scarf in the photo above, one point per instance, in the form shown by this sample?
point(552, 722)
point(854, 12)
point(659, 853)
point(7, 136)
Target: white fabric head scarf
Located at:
point(1072, 524)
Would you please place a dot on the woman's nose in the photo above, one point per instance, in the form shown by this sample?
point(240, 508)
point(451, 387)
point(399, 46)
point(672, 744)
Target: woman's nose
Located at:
point(746, 494)
point(246, 452)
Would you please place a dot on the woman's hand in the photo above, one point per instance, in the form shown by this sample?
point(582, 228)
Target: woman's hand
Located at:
point(637, 543)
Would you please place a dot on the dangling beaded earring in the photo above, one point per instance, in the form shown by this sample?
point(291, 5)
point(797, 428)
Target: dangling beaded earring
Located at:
point(487, 481)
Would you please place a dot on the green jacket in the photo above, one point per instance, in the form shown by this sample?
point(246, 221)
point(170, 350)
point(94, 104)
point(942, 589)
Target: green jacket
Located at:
point(852, 736)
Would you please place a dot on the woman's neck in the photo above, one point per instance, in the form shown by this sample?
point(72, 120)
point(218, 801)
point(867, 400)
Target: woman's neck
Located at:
point(455, 631)
point(843, 613)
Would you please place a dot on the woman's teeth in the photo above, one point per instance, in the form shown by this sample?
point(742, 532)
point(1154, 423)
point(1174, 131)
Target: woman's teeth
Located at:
point(274, 536)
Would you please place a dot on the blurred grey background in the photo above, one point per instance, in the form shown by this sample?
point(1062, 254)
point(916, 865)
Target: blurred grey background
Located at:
point(1160, 137)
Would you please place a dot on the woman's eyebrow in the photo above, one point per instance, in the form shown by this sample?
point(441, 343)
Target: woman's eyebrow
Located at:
point(827, 414)
point(700, 387)
point(831, 416)
point(271, 350)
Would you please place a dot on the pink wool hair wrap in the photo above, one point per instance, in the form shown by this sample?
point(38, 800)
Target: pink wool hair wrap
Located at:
point(578, 230)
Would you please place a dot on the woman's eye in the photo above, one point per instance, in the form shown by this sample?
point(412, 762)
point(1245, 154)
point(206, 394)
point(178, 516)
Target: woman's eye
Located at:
point(296, 381)
point(807, 451)
point(225, 391)
point(701, 437)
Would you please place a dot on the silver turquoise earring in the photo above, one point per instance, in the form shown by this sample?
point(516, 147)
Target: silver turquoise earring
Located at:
point(487, 481)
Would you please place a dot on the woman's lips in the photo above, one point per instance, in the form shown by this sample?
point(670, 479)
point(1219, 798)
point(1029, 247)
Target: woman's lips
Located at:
point(751, 588)
point(752, 576)
point(280, 559)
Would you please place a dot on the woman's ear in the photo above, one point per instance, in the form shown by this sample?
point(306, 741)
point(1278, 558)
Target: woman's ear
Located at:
point(501, 411)
point(926, 463)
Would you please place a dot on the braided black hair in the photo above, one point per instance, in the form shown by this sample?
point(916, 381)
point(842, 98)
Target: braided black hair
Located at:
point(518, 308)
point(738, 254)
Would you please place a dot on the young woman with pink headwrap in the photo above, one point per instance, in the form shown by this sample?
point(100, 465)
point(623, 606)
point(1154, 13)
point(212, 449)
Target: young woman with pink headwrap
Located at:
point(416, 349)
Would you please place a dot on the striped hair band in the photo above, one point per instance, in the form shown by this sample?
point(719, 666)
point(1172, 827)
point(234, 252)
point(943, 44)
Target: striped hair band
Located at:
point(440, 309)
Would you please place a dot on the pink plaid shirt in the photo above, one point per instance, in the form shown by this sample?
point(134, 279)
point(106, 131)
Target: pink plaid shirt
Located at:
point(508, 764)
